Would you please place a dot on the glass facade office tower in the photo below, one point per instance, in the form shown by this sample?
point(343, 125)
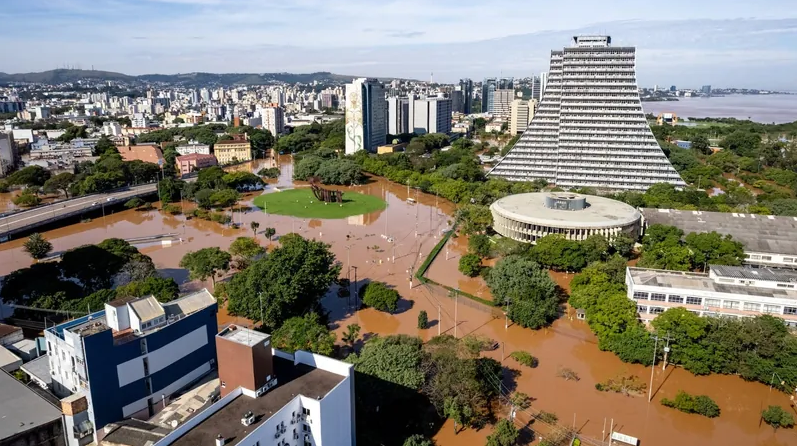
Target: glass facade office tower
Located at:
point(590, 129)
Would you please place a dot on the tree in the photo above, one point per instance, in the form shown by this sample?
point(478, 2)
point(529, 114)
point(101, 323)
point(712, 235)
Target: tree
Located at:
point(269, 233)
point(701, 145)
point(254, 225)
point(26, 199)
point(304, 333)
point(458, 411)
point(289, 282)
point(667, 256)
point(714, 249)
point(480, 245)
point(505, 434)
point(658, 233)
point(623, 244)
point(206, 263)
point(164, 289)
point(379, 296)
point(30, 176)
point(776, 417)
point(561, 254)
point(225, 197)
point(423, 320)
point(595, 248)
point(307, 167)
point(169, 190)
point(60, 182)
point(418, 440)
point(104, 145)
point(470, 265)
point(526, 289)
point(474, 219)
point(37, 246)
point(351, 334)
point(245, 250)
point(700, 404)
point(519, 401)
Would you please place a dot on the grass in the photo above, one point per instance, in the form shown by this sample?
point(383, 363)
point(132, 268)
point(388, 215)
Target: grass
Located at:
point(303, 204)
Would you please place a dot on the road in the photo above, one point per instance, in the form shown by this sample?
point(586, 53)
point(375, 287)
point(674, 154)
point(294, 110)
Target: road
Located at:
point(41, 215)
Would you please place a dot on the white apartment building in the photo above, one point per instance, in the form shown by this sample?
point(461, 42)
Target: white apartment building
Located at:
point(590, 128)
point(111, 128)
point(273, 120)
point(8, 152)
point(430, 115)
point(366, 115)
point(398, 115)
point(502, 102)
point(727, 291)
point(193, 147)
point(139, 121)
point(269, 397)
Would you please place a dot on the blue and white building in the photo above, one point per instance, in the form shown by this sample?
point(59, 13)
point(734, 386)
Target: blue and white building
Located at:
point(129, 358)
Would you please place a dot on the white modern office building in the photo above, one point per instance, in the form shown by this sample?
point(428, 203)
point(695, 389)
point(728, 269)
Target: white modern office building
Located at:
point(590, 129)
point(727, 291)
point(366, 115)
point(398, 115)
point(430, 115)
point(269, 397)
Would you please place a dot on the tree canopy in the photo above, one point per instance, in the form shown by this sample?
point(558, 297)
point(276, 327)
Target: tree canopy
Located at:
point(527, 291)
point(304, 333)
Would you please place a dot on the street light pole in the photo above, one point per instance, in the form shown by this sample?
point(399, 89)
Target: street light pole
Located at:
point(653, 367)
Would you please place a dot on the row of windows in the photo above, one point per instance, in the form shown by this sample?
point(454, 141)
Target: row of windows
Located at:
point(715, 303)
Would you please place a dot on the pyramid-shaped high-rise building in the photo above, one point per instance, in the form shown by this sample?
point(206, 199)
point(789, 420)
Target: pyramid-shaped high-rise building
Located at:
point(590, 129)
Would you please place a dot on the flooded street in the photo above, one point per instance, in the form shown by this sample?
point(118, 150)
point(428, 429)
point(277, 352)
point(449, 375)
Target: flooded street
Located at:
point(387, 245)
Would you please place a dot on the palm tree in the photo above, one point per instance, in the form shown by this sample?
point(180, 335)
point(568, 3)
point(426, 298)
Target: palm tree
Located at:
point(351, 334)
point(254, 225)
point(269, 233)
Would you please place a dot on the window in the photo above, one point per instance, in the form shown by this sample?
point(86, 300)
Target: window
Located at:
point(641, 309)
point(656, 310)
point(657, 297)
point(223, 385)
point(772, 309)
point(785, 285)
point(767, 258)
point(305, 428)
point(788, 260)
point(691, 300)
point(730, 305)
point(640, 295)
point(724, 280)
point(146, 366)
point(143, 346)
point(305, 411)
point(675, 299)
point(715, 303)
point(790, 310)
point(748, 306)
point(754, 257)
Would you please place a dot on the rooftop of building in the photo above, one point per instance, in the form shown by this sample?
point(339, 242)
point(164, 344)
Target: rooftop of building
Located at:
point(39, 368)
point(243, 335)
point(7, 357)
point(132, 432)
point(292, 381)
point(6, 330)
point(22, 409)
point(599, 212)
point(194, 156)
point(764, 273)
point(758, 233)
point(147, 308)
point(702, 282)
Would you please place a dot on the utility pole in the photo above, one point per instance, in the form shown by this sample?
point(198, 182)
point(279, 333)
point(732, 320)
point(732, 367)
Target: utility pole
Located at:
point(411, 268)
point(456, 307)
point(653, 367)
point(356, 291)
point(666, 351)
point(260, 296)
point(439, 321)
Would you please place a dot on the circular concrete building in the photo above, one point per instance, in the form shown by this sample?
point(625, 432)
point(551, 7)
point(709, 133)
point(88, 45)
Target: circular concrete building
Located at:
point(528, 217)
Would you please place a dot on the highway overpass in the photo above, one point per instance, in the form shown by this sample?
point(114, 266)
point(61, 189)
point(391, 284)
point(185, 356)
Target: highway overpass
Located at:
point(45, 214)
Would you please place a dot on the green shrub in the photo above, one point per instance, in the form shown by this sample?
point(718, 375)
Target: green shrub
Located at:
point(470, 265)
point(377, 295)
point(524, 358)
point(700, 404)
point(423, 319)
point(172, 209)
point(548, 417)
point(776, 417)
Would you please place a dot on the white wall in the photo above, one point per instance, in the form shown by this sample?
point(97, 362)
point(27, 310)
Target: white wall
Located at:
point(163, 357)
point(324, 363)
point(335, 416)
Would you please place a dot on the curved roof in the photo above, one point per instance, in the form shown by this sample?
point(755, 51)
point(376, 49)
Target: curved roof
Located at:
point(600, 212)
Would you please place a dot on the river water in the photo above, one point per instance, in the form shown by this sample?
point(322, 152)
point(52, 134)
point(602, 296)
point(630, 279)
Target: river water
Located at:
point(766, 109)
point(358, 242)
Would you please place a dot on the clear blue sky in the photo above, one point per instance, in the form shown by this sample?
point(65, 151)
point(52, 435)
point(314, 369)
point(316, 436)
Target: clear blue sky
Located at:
point(710, 41)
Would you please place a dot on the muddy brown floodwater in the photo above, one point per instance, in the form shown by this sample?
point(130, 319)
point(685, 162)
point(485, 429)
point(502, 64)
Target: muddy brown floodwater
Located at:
point(359, 242)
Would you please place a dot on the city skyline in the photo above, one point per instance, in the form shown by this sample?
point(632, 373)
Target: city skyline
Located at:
point(171, 36)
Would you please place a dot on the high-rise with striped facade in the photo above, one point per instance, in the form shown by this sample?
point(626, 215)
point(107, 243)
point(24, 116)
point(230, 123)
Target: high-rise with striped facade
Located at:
point(590, 129)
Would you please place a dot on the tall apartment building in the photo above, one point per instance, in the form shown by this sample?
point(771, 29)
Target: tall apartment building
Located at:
point(329, 100)
point(139, 121)
point(488, 91)
point(430, 115)
point(502, 102)
point(727, 291)
point(466, 85)
point(536, 88)
point(457, 100)
point(8, 152)
point(590, 129)
point(274, 120)
point(128, 359)
point(521, 115)
point(366, 117)
point(269, 397)
point(398, 115)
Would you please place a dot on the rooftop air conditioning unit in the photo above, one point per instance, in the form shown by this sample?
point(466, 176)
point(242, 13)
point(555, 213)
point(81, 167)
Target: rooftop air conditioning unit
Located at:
point(248, 418)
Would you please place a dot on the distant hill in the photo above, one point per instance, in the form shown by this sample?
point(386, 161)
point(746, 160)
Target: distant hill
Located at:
point(187, 79)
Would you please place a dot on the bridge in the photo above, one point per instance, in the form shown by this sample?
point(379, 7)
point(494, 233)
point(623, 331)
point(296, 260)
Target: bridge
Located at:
point(17, 222)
